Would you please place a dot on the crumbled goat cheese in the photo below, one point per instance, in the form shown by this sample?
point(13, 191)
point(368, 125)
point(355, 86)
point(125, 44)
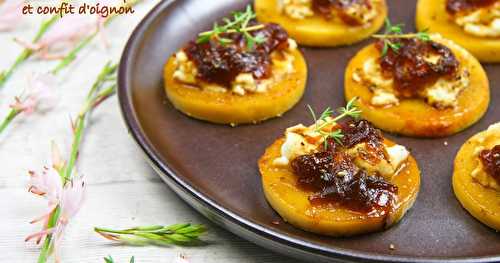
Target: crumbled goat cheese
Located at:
point(297, 9)
point(483, 22)
point(244, 83)
point(442, 94)
point(301, 140)
point(490, 138)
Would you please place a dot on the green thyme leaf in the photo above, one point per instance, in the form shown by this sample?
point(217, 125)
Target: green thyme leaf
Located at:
point(350, 110)
point(238, 24)
point(178, 234)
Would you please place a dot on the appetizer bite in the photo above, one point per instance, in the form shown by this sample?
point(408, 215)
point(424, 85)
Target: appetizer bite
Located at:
point(339, 178)
point(239, 72)
point(417, 84)
point(473, 24)
point(324, 23)
point(476, 178)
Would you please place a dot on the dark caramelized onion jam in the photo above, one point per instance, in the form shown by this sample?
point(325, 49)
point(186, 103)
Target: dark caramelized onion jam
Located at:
point(457, 6)
point(325, 8)
point(334, 178)
point(491, 162)
point(221, 63)
point(409, 68)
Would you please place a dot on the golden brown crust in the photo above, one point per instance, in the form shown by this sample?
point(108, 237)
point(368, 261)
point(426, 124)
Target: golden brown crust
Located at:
point(414, 117)
point(315, 30)
point(481, 202)
point(293, 205)
point(432, 15)
point(229, 108)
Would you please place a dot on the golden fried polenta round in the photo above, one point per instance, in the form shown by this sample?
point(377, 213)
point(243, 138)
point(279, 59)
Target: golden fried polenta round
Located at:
point(292, 203)
point(229, 108)
point(481, 202)
point(316, 30)
point(432, 16)
point(414, 117)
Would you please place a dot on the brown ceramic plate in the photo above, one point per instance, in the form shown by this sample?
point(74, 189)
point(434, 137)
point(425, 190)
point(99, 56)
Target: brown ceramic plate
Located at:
point(214, 167)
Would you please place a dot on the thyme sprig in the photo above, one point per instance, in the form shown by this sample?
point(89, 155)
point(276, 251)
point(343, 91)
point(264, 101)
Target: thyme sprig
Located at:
point(178, 234)
point(109, 259)
point(326, 119)
point(239, 24)
point(396, 32)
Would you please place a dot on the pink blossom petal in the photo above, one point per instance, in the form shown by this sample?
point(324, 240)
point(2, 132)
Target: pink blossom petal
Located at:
point(57, 160)
point(68, 30)
point(10, 14)
point(181, 258)
point(72, 198)
point(40, 234)
point(47, 184)
point(40, 94)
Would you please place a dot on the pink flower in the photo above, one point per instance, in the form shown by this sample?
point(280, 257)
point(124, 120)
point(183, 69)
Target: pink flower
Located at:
point(69, 198)
point(10, 14)
point(47, 184)
point(181, 259)
point(39, 95)
point(66, 32)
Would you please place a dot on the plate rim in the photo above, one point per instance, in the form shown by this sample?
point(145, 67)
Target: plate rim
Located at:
point(257, 231)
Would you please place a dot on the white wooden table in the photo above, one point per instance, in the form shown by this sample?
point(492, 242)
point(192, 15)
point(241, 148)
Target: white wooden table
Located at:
point(123, 191)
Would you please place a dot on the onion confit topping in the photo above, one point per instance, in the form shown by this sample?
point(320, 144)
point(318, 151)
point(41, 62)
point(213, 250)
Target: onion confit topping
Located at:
point(491, 162)
point(221, 63)
point(410, 69)
point(457, 6)
point(334, 178)
point(325, 8)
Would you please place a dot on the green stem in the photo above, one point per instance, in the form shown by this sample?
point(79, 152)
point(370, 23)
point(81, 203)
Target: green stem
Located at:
point(47, 243)
point(395, 36)
point(8, 119)
point(91, 102)
point(72, 54)
point(26, 53)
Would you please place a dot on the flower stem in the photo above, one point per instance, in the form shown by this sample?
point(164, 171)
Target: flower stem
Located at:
point(47, 243)
point(8, 119)
point(71, 56)
point(26, 53)
point(95, 96)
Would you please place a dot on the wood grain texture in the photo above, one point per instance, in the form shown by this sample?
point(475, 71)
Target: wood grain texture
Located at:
point(123, 190)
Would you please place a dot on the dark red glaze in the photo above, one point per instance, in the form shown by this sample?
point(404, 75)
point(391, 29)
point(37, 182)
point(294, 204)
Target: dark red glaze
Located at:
point(491, 162)
point(221, 63)
point(457, 6)
point(409, 69)
point(334, 178)
point(325, 8)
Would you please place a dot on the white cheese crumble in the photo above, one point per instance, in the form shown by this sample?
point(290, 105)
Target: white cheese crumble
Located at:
point(482, 22)
point(297, 9)
point(282, 64)
point(301, 140)
point(302, 9)
point(442, 94)
point(487, 141)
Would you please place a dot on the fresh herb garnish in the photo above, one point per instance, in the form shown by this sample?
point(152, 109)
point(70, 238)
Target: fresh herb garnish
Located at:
point(238, 24)
point(396, 32)
point(109, 259)
point(178, 234)
point(350, 110)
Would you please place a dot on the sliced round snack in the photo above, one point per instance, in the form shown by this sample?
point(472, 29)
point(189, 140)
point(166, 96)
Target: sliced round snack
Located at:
point(339, 179)
point(231, 77)
point(476, 177)
point(473, 25)
point(324, 23)
point(418, 85)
